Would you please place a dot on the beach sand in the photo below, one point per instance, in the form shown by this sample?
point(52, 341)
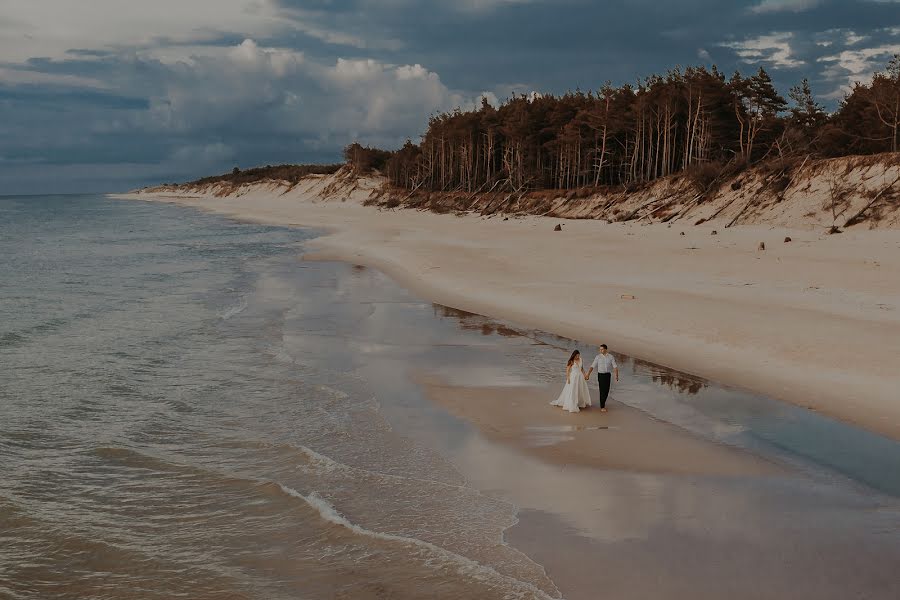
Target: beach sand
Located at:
point(645, 509)
point(623, 439)
point(815, 321)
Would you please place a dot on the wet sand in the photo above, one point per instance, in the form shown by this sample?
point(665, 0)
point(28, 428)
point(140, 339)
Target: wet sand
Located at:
point(678, 564)
point(623, 438)
point(628, 504)
point(626, 534)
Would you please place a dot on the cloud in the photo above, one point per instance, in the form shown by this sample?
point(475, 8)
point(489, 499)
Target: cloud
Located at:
point(773, 49)
point(852, 38)
point(208, 99)
point(487, 5)
point(778, 6)
point(50, 28)
point(252, 88)
point(856, 65)
point(466, 6)
point(19, 76)
point(318, 24)
point(185, 87)
point(244, 103)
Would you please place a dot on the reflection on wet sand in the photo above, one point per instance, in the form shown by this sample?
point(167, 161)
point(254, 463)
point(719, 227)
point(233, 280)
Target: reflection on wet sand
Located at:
point(619, 532)
point(682, 383)
point(726, 415)
point(677, 380)
point(640, 535)
point(568, 428)
point(473, 322)
point(623, 439)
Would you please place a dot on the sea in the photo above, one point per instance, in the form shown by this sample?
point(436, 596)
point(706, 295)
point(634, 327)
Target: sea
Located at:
point(190, 409)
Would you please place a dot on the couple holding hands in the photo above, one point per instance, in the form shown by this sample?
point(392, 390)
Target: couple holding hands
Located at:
point(575, 394)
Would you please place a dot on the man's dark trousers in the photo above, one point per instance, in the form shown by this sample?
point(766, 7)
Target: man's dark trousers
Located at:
point(605, 380)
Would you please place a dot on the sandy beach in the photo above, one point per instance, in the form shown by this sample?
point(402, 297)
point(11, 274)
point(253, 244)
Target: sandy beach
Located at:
point(630, 441)
point(371, 388)
point(814, 321)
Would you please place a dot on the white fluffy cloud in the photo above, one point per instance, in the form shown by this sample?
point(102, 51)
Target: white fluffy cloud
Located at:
point(252, 88)
point(164, 84)
point(856, 65)
point(170, 52)
point(773, 49)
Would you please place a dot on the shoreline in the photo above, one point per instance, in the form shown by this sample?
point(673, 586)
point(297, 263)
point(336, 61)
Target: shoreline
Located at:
point(324, 380)
point(813, 322)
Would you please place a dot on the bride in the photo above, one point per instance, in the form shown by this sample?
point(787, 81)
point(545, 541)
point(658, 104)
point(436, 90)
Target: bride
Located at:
point(575, 395)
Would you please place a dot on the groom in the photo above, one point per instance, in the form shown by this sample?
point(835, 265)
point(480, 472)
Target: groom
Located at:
point(605, 363)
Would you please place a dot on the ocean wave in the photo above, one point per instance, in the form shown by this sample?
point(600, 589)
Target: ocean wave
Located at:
point(439, 557)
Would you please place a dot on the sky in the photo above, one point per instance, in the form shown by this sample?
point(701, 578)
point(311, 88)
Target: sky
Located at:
point(109, 95)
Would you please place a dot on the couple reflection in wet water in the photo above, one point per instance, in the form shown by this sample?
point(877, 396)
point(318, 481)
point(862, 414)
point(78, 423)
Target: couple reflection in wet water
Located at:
point(575, 395)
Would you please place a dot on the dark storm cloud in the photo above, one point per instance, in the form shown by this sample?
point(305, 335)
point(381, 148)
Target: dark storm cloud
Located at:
point(556, 46)
point(177, 92)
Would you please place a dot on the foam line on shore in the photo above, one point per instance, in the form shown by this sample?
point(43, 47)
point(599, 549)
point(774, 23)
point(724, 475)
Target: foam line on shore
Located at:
point(463, 565)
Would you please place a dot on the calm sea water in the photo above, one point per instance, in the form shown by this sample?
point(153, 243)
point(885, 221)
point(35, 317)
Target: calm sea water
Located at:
point(157, 440)
point(189, 410)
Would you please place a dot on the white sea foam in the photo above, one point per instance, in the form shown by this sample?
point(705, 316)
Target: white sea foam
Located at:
point(435, 555)
point(333, 392)
point(238, 308)
point(329, 465)
point(281, 355)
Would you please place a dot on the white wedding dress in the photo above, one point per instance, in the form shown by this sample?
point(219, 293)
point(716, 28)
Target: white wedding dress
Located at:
point(575, 395)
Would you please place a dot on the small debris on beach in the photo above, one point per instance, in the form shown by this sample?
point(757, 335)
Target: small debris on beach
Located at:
point(714, 232)
point(557, 228)
point(788, 240)
point(628, 297)
point(762, 246)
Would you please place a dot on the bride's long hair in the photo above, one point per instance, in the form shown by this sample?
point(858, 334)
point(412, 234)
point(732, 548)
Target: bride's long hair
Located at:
point(572, 358)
